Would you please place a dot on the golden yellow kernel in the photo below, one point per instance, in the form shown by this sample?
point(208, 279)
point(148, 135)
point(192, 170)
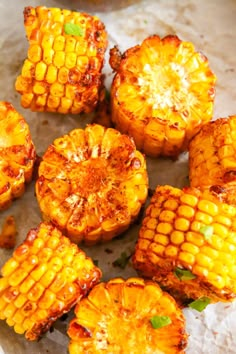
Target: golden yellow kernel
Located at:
point(39, 88)
point(9, 310)
point(18, 328)
point(228, 248)
point(57, 89)
point(228, 209)
point(208, 207)
point(216, 280)
point(45, 254)
point(63, 75)
point(18, 317)
point(200, 271)
point(177, 237)
point(220, 230)
point(2, 304)
point(38, 272)
point(58, 16)
point(47, 299)
point(195, 238)
point(185, 211)
point(144, 244)
point(182, 224)
point(196, 226)
point(203, 217)
point(171, 251)
point(59, 43)
point(10, 322)
point(59, 59)
point(28, 69)
point(20, 300)
point(81, 46)
point(167, 216)
point(34, 53)
point(190, 247)
point(164, 228)
point(91, 51)
point(47, 40)
point(47, 278)
point(36, 292)
point(171, 204)
point(37, 246)
point(162, 239)
point(26, 285)
point(3, 284)
point(219, 267)
point(226, 151)
point(40, 71)
point(70, 60)
point(209, 251)
point(48, 55)
point(157, 249)
point(147, 234)
point(216, 242)
point(26, 99)
point(70, 44)
point(151, 224)
point(82, 63)
point(70, 92)
point(53, 242)
point(204, 261)
point(66, 104)
point(186, 258)
point(189, 199)
point(18, 276)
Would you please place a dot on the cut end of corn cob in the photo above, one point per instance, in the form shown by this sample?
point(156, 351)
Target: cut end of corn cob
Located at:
point(189, 232)
point(92, 183)
point(212, 153)
point(162, 94)
point(17, 154)
point(62, 72)
point(45, 277)
point(132, 316)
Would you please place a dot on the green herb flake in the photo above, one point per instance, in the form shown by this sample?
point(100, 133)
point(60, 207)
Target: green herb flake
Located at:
point(200, 304)
point(183, 274)
point(73, 29)
point(207, 231)
point(160, 321)
point(122, 261)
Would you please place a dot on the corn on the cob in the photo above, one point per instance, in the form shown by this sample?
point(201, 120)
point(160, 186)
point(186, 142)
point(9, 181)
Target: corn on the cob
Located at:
point(212, 162)
point(17, 154)
point(92, 183)
point(162, 94)
point(119, 317)
point(189, 231)
point(65, 57)
point(44, 278)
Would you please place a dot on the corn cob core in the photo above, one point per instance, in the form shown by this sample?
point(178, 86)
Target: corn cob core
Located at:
point(115, 318)
point(162, 94)
point(92, 183)
point(62, 72)
point(192, 230)
point(44, 278)
point(17, 154)
point(212, 153)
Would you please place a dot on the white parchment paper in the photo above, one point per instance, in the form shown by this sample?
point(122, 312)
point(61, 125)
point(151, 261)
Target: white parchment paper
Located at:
point(211, 26)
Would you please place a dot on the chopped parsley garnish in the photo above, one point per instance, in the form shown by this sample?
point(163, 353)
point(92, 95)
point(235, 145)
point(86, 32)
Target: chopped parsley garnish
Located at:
point(200, 304)
point(207, 231)
point(73, 29)
point(160, 321)
point(122, 261)
point(183, 274)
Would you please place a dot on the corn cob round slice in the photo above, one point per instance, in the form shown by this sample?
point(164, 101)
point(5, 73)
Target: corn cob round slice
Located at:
point(46, 276)
point(127, 317)
point(92, 183)
point(62, 72)
point(17, 154)
point(187, 243)
point(212, 153)
point(162, 94)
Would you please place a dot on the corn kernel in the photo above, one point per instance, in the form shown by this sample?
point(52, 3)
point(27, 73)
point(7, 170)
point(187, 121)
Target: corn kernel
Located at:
point(18, 328)
point(185, 211)
point(171, 251)
point(59, 59)
point(203, 217)
point(189, 199)
point(9, 310)
point(216, 280)
point(165, 215)
point(27, 69)
point(47, 41)
point(18, 276)
point(40, 71)
point(157, 249)
point(220, 230)
point(182, 224)
point(70, 44)
point(208, 207)
point(221, 219)
point(204, 261)
point(195, 238)
point(148, 234)
point(63, 75)
point(47, 299)
point(35, 53)
point(177, 237)
point(35, 292)
point(210, 252)
point(164, 228)
point(81, 47)
point(38, 272)
point(20, 300)
point(47, 278)
point(59, 43)
point(171, 204)
point(186, 258)
point(161, 239)
point(39, 88)
point(82, 63)
point(190, 248)
point(26, 285)
point(216, 242)
point(200, 271)
point(144, 244)
point(57, 89)
point(151, 224)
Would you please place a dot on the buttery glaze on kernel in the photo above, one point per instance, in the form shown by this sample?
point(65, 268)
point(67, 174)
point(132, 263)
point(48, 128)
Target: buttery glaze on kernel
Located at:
point(92, 183)
point(62, 72)
point(128, 305)
point(44, 278)
point(172, 235)
point(162, 94)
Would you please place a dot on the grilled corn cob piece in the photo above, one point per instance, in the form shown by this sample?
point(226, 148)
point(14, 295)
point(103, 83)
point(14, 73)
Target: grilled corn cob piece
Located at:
point(192, 233)
point(62, 72)
point(17, 154)
point(162, 94)
point(92, 183)
point(125, 317)
point(44, 278)
point(212, 153)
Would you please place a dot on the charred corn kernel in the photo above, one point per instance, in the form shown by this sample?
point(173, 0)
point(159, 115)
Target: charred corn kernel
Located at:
point(35, 293)
point(132, 303)
point(58, 55)
point(219, 140)
point(201, 241)
point(17, 155)
point(158, 80)
point(104, 186)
